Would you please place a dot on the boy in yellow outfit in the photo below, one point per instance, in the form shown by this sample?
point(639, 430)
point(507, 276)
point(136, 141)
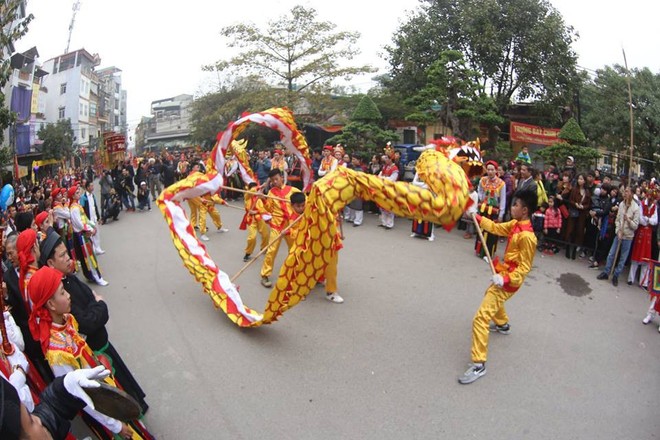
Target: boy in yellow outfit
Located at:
point(511, 273)
point(281, 216)
point(207, 206)
point(254, 220)
point(330, 275)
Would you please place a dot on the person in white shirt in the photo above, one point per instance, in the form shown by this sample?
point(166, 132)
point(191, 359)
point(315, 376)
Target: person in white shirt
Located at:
point(88, 202)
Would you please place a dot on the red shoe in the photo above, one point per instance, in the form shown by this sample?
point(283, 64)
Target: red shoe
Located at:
point(467, 236)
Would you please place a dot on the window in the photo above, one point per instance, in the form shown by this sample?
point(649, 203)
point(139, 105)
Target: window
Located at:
point(116, 120)
point(63, 89)
point(92, 109)
point(83, 133)
point(86, 110)
point(60, 113)
point(80, 108)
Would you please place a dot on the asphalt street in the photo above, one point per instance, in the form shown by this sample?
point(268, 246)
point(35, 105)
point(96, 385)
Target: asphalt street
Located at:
point(578, 364)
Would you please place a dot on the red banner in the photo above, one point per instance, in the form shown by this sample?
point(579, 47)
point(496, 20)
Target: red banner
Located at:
point(533, 134)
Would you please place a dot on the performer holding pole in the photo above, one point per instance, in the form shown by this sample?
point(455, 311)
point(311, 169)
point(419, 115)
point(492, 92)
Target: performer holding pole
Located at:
point(510, 275)
point(282, 214)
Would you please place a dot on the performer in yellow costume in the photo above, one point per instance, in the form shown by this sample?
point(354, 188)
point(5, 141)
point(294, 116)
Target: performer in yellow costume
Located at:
point(254, 220)
point(282, 214)
point(510, 275)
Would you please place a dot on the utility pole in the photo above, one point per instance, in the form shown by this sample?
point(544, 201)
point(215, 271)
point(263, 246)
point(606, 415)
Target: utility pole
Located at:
point(75, 8)
point(630, 103)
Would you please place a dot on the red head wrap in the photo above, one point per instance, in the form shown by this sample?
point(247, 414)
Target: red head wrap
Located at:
point(43, 285)
point(39, 219)
point(72, 191)
point(278, 152)
point(24, 245)
point(491, 162)
point(328, 147)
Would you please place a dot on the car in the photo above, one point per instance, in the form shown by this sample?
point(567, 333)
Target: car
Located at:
point(409, 157)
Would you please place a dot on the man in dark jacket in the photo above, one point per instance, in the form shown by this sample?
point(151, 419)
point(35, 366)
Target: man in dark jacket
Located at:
point(127, 190)
point(91, 312)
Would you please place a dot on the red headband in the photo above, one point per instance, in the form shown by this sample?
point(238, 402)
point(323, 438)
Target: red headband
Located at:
point(42, 287)
point(39, 219)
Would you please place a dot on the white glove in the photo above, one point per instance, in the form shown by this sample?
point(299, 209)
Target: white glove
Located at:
point(76, 380)
point(18, 358)
point(266, 217)
point(498, 280)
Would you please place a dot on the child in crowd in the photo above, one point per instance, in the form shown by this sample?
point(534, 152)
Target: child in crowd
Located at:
point(551, 226)
point(538, 221)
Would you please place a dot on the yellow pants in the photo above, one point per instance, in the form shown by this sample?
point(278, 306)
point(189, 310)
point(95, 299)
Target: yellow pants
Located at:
point(491, 309)
point(271, 253)
point(215, 216)
point(262, 228)
point(194, 205)
point(331, 274)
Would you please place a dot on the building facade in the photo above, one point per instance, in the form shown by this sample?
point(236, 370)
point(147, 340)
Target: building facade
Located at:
point(169, 124)
point(93, 100)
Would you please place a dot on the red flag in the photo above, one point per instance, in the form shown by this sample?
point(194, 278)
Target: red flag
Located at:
point(16, 176)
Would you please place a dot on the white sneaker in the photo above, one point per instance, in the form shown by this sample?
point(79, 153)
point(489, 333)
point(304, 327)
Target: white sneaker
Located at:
point(648, 319)
point(203, 237)
point(102, 282)
point(222, 230)
point(413, 235)
point(486, 259)
point(99, 252)
point(432, 237)
point(334, 297)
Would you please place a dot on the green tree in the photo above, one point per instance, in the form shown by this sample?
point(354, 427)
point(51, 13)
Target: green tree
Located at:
point(364, 133)
point(606, 112)
point(516, 49)
point(452, 89)
point(12, 28)
point(57, 140)
point(585, 157)
point(295, 50)
point(572, 133)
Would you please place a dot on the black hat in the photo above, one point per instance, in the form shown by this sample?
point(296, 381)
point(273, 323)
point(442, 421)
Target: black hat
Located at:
point(47, 247)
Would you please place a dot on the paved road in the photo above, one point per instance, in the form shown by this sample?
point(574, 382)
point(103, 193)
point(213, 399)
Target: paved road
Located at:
point(578, 365)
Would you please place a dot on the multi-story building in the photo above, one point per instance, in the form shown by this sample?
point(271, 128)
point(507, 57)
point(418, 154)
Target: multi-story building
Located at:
point(169, 125)
point(70, 85)
point(22, 93)
point(92, 99)
point(115, 99)
point(25, 96)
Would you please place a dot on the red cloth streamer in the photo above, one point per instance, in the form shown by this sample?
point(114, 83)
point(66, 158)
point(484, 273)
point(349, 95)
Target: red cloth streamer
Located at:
point(24, 245)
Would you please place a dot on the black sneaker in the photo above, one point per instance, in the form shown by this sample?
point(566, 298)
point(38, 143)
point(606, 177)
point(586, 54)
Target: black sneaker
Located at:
point(246, 257)
point(615, 281)
point(602, 276)
point(502, 329)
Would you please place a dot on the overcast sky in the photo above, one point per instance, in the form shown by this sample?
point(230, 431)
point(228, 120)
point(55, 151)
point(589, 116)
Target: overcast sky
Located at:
point(161, 46)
